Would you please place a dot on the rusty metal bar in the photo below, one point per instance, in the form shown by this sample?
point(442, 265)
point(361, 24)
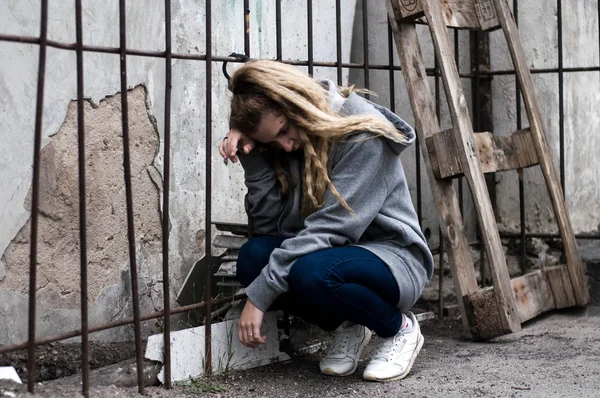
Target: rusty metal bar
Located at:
point(208, 180)
point(246, 26)
point(35, 197)
point(129, 196)
point(438, 112)
point(85, 363)
point(338, 40)
point(278, 29)
point(365, 27)
point(309, 28)
point(166, 192)
point(391, 63)
point(202, 57)
point(117, 323)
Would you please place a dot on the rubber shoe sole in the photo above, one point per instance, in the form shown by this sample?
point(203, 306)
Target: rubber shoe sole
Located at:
point(330, 372)
point(407, 371)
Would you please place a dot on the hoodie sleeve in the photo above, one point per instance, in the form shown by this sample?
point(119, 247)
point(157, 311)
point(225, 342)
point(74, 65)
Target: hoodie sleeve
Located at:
point(357, 175)
point(263, 200)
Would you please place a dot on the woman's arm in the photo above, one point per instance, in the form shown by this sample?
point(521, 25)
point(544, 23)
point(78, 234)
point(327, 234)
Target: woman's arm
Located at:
point(263, 202)
point(358, 175)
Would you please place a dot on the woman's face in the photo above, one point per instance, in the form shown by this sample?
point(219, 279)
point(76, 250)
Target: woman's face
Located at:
point(276, 129)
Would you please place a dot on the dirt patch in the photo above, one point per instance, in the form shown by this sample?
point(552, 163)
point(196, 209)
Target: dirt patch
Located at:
point(57, 360)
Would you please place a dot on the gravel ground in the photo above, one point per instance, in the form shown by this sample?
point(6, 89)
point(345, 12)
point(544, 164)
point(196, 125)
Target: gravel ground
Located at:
point(555, 355)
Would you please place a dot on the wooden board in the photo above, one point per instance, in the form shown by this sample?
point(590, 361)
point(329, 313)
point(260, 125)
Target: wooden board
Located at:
point(534, 114)
point(462, 14)
point(534, 293)
point(496, 153)
point(562, 290)
point(426, 123)
point(471, 166)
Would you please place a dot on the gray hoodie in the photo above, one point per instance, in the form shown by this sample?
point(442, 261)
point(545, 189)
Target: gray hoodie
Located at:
point(368, 174)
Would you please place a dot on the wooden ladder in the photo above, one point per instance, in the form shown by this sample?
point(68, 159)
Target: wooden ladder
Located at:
point(500, 309)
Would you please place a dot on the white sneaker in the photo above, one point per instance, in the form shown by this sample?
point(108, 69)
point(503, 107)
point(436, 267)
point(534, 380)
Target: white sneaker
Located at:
point(395, 356)
point(344, 352)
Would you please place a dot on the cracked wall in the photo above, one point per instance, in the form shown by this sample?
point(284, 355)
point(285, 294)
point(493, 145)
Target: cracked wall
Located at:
point(58, 270)
point(58, 227)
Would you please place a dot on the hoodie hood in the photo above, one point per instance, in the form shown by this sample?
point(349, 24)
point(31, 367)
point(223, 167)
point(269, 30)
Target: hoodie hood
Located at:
point(357, 105)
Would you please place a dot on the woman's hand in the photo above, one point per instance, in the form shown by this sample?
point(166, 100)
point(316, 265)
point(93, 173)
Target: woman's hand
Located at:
point(249, 326)
point(233, 141)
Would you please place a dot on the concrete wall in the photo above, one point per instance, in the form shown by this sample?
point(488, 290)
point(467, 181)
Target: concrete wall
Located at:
point(58, 295)
point(539, 34)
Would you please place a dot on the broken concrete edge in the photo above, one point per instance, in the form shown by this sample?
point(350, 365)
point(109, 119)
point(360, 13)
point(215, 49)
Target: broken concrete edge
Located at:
point(9, 373)
point(188, 350)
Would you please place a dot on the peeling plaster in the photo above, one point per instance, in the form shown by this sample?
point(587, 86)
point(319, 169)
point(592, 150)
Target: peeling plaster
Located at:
point(58, 243)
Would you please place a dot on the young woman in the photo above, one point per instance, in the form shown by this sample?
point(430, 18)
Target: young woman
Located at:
point(341, 245)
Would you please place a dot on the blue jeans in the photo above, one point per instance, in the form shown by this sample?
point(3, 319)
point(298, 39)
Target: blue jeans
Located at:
point(331, 286)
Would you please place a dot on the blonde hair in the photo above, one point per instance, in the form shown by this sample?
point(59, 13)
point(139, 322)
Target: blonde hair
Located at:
point(269, 86)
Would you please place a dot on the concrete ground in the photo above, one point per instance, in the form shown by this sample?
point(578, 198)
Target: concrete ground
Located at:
point(556, 355)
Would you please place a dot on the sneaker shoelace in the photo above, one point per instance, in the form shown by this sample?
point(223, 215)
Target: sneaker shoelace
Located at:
point(388, 347)
point(340, 343)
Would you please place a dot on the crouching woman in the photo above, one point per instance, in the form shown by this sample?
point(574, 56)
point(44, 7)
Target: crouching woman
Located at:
point(341, 247)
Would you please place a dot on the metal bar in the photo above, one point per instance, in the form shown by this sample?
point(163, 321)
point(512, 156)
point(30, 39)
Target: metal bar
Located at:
point(208, 177)
point(246, 27)
point(117, 323)
point(561, 103)
point(309, 18)
point(129, 196)
point(391, 64)
point(438, 113)
point(561, 106)
point(85, 363)
point(441, 277)
point(35, 198)
point(365, 27)
point(202, 57)
point(550, 236)
point(278, 29)
point(166, 192)
point(338, 40)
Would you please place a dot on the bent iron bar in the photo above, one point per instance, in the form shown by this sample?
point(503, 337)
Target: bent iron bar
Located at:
point(118, 323)
point(129, 197)
point(166, 191)
point(35, 197)
point(85, 366)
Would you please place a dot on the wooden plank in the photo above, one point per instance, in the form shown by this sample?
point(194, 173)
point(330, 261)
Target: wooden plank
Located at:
point(560, 283)
point(463, 14)
point(229, 241)
point(534, 114)
point(408, 9)
point(227, 270)
point(486, 14)
point(472, 167)
point(426, 123)
point(533, 294)
point(496, 153)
